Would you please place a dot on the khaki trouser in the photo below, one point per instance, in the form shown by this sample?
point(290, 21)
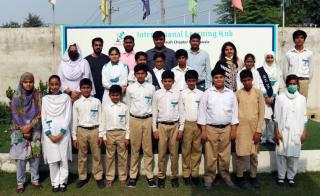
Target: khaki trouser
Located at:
point(191, 150)
point(140, 135)
point(304, 87)
point(167, 140)
point(217, 148)
point(89, 138)
point(115, 144)
point(253, 165)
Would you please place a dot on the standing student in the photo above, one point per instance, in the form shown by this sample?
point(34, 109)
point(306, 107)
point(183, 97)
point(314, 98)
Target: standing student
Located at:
point(168, 125)
point(249, 64)
point(127, 56)
point(114, 128)
point(251, 115)
point(180, 70)
point(139, 100)
point(85, 133)
point(25, 139)
point(299, 62)
point(191, 144)
point(230, 63)
point(96, 62)
point(291, 120)
point(140, 58)
point(114, 73)
point(218, 117)
point(56, 119)
point(156, 72)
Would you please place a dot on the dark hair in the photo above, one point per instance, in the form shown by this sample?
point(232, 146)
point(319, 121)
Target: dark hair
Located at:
point(114, 49)
point(181, 52)
point(246, 73)
point(54, 77)
point(128, 37)
point(249, 55)
point(298, 33)
point(140, 53)
point(191, 74)
point(159, 55)
point(140, 67)
point(158, 34)
point(97, 39)
point(291, 77)
point(217, 71)
point(115, 89)
point(222, 54)
point(195, 36)
point(168, 74)
point(85, 81)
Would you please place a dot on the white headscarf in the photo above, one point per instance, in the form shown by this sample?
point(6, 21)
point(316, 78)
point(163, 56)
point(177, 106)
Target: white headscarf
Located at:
point(272, 70)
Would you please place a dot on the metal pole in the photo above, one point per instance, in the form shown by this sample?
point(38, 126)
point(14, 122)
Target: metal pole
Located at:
point(162, 11)
point(192, 19)
point(110, 11)
point(209, 16)
point(184, 19)
point(53, 37)
point(235, 16)
point(283, 21)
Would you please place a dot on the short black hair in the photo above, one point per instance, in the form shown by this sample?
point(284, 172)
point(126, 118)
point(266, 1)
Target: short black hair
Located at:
point(159, 55)
point(115, 89)
point(195, 36)
point(181, 52)
point(54, 77)
point(298, 33)
point(191, 74)
point(140, 67)
point(249, 55)
point(246, 73)
point(158, 34)
point(128, 37)
point(140, 53)
point(114, 49)
point(97, 39)
point(85, 81)
point(168, 74)
point(292, 77)
point(217, 71)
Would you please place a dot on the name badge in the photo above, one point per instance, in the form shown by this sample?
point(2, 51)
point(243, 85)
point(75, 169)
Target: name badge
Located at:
point(305, 62)
point(49, 123)
point(93, 113)
point(174, 104)
point(115, 80)
point(122, 117)
point(148, 99)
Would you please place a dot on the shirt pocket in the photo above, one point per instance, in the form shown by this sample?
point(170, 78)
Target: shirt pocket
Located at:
point(94, 114)
point(148, 100)
point(122, 118)
point(174, 104)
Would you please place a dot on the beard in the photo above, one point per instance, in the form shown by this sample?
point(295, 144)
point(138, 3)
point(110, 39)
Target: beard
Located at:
point(97, 51)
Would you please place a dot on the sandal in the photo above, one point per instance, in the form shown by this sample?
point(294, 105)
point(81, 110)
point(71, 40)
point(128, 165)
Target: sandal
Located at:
point(36, 185)
point(109, 184)
point(20, 188)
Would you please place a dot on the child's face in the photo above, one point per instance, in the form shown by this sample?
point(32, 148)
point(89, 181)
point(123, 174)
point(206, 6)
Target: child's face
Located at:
point(247, 83)
point(159, 63)
point(167, 83)
point(86, 90)
point(299, 40)
point(269, 59)
point(114, 56)
point(191, 82)
point(141, 76)
point(249, 63)
point(182, 61)
point(218, 81)
point(28, 84)
point(229, 51)
point(54, 86)
point(115, 97)
point(141, 60)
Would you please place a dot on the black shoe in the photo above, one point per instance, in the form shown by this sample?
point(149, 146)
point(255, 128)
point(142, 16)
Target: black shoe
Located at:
point(55, 189)
point(20, 190)
point(291, 183)
point(240, 182)
point(280, 182)
point(175, 183)
point(101, 184)
point(255, 183)
point(187, 181)
point(151, 183)
point(161, 183)
point(195, 181)
point(81, 183)
point(63, 187)
point(132, 183)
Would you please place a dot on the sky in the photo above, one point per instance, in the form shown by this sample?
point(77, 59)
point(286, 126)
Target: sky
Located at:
point(80, 12)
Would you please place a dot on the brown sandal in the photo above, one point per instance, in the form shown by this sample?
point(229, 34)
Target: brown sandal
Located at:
point(109, 183)
point(20, 188)
point(36, 185)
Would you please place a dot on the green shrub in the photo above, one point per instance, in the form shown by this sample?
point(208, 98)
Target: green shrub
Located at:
point(5, 113)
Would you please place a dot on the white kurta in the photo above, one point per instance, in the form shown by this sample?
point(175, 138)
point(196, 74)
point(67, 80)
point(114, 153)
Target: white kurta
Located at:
point(56, 115)
point(291, 116)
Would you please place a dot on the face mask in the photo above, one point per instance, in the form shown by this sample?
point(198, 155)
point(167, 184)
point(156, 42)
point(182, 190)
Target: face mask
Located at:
point(74, 55)
point(292, 88)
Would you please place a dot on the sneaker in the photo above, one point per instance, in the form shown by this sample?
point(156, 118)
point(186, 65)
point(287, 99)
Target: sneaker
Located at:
point(187, 181)
point(151, 183)
point(280, 182)
point(132, 183)
point(291, 183)
point(255, 183)
point(101, 184)
point(230, 184)
point(55, 189)
point(63, 187)
point(240, 182)
point(195, 181)
point(161, 183)
point(175, 183)
point(81, 183)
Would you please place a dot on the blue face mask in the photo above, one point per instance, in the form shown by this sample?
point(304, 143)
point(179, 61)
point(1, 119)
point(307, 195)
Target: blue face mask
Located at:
point(292, 88)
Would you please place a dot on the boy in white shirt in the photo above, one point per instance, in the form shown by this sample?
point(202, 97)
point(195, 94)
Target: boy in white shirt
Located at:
point(85, 130)
point(180, 70)
point(159, 64)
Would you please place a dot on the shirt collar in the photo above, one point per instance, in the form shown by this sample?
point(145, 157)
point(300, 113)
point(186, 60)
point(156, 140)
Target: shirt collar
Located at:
point(157, 70)
point(213, 88)
point(197, 52)
point(83, 98)
point(128, 53)
point(191, 91)
point(296, 51)
point(115, 104)
point(179, 69)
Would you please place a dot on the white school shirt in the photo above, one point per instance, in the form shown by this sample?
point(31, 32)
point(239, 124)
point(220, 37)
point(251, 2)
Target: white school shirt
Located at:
point(218, 107)
point(167, 106)
point(86, 113)
point(299, 63)
point(158, 73)
point(114, 116)
point(191, 101)
point(179, 80)
point(139, 98)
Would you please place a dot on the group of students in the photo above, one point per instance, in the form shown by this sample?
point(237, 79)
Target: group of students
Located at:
point(166, 105)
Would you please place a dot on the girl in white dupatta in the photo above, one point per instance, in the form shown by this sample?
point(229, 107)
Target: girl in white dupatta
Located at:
point(56, 141)
point(291, 119)
point(249, 62)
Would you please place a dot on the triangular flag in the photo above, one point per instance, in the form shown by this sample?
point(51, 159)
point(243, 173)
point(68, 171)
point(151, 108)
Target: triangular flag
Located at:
point(237, 4)
point(146, 8)
point(104, 9)
point(193, 7)
point(53, 2)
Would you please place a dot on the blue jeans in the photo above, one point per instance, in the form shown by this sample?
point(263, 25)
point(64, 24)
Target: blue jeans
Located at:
point(21, 170)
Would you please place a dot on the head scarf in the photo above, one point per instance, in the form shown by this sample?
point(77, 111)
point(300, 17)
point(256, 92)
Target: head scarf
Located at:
point(271, 69)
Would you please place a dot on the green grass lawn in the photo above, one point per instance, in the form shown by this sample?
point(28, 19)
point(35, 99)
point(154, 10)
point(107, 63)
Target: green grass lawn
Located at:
point(307, 184)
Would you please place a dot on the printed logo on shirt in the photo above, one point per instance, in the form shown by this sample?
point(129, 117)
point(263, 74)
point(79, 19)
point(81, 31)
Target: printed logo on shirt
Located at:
point(174, 104)
point(197, 103)
point(93, 113)
point(49, 123)
point(115, 80)
point(122, 117)
point(305, 62)
point(148, 99)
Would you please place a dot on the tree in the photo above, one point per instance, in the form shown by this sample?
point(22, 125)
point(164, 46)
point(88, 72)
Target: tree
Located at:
point(11, 24)
point(33, 21)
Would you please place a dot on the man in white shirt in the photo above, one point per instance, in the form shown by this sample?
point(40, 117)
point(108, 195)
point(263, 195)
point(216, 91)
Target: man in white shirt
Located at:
point(218, 117)
point(168, 125)
point(139, 100)
point(298, 62)
point(86, 120)
point(180, 70)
